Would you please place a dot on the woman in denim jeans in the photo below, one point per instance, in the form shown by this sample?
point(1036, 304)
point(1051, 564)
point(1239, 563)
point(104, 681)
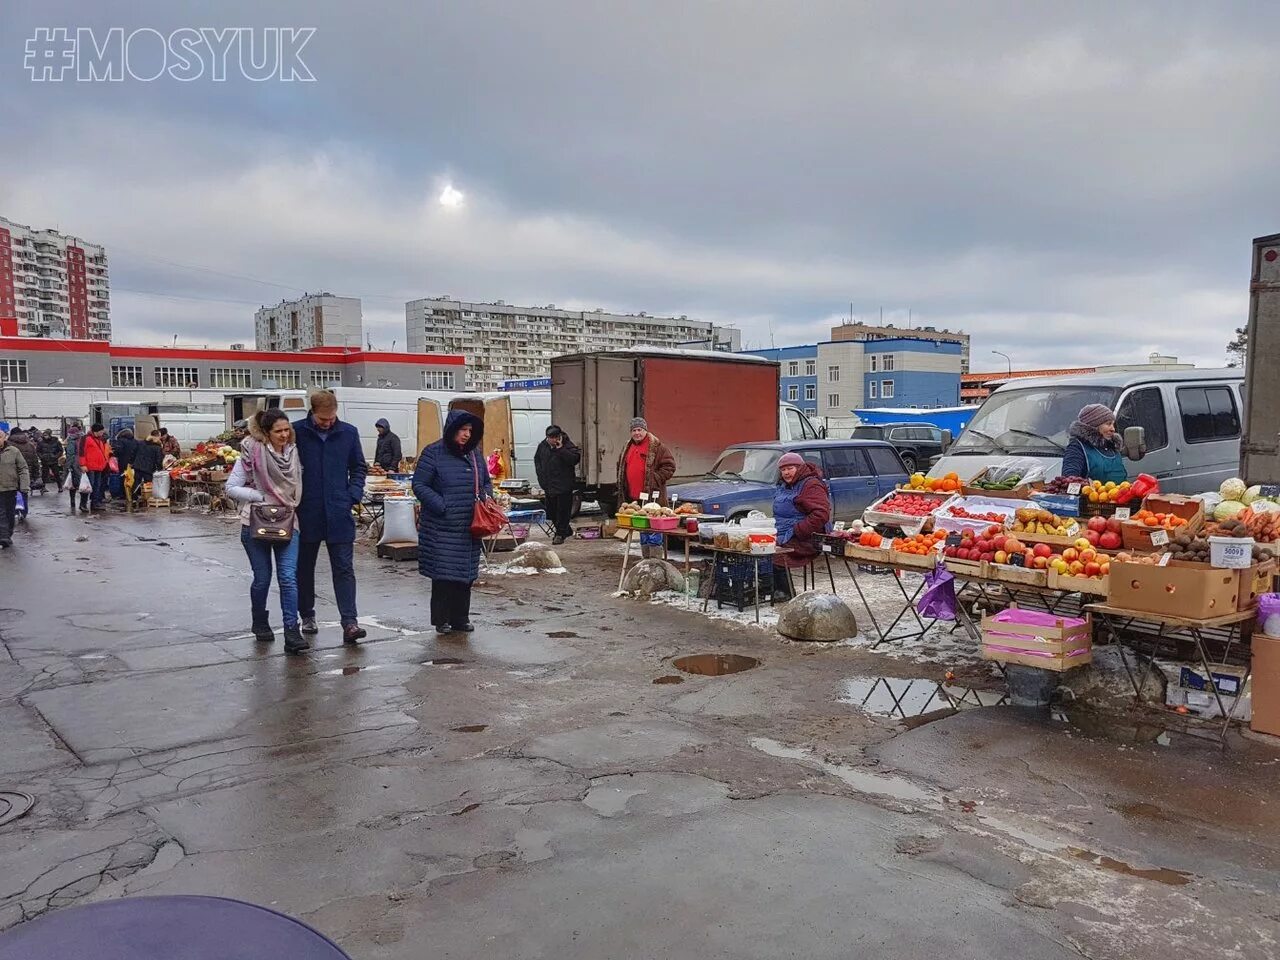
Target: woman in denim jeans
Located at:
point(269, 471)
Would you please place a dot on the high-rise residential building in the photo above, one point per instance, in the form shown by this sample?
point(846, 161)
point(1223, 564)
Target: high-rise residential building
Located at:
point(316, 320)
point(866, 331)
point(52, 284)
point(504, 342)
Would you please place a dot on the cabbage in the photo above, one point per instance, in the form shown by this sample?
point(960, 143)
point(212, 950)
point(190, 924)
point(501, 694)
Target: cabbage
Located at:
point(1227, 509)
point(1252, 494)
point(1232, 489)
point(1264, 506)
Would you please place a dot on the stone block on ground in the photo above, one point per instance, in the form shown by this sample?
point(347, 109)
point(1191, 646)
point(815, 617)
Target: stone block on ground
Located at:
point(653, 576)
point(535, 555)
point(817, 616)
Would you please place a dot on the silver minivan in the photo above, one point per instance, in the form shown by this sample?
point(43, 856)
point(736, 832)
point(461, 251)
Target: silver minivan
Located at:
point(1190, 424)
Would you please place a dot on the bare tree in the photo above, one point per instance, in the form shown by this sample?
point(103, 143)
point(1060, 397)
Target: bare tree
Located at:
point(1238, 348)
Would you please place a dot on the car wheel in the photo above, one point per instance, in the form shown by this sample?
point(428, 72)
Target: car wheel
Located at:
point(909, 461)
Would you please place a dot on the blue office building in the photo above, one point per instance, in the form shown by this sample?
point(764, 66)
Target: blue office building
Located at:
point(911, 373)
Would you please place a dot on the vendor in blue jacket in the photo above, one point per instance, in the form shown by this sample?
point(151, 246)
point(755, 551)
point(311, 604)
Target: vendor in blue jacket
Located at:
point(333, 474)
point(450, 475)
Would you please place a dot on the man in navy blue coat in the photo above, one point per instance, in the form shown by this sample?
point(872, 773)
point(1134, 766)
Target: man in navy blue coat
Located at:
point(333, 473)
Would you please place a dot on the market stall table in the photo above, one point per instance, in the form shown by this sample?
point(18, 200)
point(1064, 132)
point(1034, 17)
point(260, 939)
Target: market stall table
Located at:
point(885, 635)
point(1118, 621)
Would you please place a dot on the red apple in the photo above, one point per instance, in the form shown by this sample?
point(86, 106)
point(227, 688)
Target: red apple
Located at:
point(1092, 569)
point(1042, 563)
point(1071, 553)
point(1043, 550)
point(1076, 568)
point(1088, 556)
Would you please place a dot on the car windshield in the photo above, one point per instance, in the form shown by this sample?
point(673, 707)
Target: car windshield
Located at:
point(1030, 422)
point(748, 464)
point(868, 433)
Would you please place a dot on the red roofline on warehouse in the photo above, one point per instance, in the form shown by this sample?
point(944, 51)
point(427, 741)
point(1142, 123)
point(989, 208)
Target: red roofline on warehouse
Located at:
point(1020, 374)
point(328, 355)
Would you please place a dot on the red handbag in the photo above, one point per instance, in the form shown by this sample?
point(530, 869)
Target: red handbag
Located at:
point(487, 517)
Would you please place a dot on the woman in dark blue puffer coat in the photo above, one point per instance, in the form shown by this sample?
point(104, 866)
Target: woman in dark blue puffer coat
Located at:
point(445, 483)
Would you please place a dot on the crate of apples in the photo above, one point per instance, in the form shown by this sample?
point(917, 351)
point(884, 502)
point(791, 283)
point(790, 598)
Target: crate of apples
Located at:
point(1081, 561)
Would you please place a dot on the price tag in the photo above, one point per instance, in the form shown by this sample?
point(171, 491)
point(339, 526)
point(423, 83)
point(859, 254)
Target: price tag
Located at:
point(839, 525)
point(1164, 559)
point(1159, 538)
point(1122, 513)
point(1073, 490)
point(954, 539)
point(826, 548)
point(1271, 490)
point(644, 498)
point(1073, 530)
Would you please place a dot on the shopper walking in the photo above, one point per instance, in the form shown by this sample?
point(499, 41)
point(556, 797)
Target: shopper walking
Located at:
point(15, 478)
point(451, 476)
point(71, 454)
point(555, 462)
point(334, 471)
point(49, 449)
point(94, 454)
point(268, 472)
point(388, 454)
point(21, 441)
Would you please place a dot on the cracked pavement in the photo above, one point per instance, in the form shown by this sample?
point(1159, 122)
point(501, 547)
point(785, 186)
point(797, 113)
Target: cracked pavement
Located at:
point(542, 797)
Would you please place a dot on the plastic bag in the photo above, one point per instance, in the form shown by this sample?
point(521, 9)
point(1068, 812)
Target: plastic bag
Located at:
point(938, 601)
point(1023, 470)
point(20, 505)
point(66, 482)
point(1269, 613)
point(160, 486)
point(398, 523)
point(85, 486)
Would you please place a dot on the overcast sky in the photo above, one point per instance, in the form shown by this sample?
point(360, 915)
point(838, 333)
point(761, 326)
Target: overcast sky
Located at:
point(1070, 183)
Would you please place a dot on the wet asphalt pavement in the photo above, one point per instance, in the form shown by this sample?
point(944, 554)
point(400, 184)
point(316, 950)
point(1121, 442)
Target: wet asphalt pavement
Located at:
point(531, 792)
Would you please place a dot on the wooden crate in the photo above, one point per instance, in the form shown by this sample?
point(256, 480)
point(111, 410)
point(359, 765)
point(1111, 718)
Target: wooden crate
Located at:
point(1020, 492)
point(914, 561)
point(1037, 639)
point(1061, 581)
point(1021, 575)
point(965, 568)
point(399, 551)
point(1137, 536)
point(855, 551)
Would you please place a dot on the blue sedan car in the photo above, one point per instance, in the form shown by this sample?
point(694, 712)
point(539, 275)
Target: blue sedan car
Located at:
point(860, 472)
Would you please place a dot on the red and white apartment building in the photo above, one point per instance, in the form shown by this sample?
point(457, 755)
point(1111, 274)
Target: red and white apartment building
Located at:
point(52, 284)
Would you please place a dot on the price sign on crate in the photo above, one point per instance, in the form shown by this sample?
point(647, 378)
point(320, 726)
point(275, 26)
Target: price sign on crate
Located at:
point(1073, 490)
point(1159, 538)
point(1165, 558)
point(1123, 513)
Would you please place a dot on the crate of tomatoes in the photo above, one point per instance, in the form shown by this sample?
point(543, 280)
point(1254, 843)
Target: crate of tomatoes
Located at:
point(905, 508)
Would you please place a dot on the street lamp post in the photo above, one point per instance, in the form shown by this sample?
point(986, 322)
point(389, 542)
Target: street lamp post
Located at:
point(1006, 360)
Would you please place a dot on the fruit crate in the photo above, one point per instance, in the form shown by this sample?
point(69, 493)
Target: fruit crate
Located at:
point(1099, 587)
point(1137, 536)
point(875, 516)
point(855, 551)
point(977, 504)
point(966, 568)
point(914, 561)
point(1021, 492)
point(1035, 639)
point(1007, 573)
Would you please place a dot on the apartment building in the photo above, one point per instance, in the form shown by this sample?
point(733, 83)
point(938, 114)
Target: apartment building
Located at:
point(870, 332)
point(53, 284)
point(316, 320)
point(501, 341)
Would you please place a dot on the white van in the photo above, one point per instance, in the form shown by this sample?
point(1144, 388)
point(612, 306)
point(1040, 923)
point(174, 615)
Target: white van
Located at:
point(1190, 423)
point(794, 424)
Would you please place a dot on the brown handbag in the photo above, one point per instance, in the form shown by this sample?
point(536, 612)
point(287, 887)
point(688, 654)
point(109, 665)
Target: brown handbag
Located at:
point(487, 517)
point(270, 521)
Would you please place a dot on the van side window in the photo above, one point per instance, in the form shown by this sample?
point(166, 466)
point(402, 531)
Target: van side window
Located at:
point(794, 429)
point(1208, 413)
point(846, 462)
point(1145, 408)
point(885, 460)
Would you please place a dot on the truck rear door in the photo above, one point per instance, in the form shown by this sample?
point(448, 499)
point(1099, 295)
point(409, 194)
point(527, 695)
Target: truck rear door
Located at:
point(429, 426)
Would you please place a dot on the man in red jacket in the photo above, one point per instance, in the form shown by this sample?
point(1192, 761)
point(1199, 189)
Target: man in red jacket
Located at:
point(94, 454)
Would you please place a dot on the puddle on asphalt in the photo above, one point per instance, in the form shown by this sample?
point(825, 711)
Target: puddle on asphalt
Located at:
point(864, 781)
point(443, 662)
point(1117, 729)
point(1165, 875)
point(470, 728)
point(715, 664)
point(916, 700)
point(561, 634)
point(348, 671)
point(669, 678)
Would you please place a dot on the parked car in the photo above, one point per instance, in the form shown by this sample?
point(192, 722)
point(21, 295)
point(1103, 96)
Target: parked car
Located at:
point(744, 476)
point(919, 444)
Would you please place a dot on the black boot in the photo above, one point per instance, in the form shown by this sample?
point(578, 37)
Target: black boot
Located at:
point(263, 633)
point(294, 641)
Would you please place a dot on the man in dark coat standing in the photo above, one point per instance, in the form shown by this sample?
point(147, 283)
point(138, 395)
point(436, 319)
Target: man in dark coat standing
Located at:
point(388, 454)
point(555, 462)
point(333, 475)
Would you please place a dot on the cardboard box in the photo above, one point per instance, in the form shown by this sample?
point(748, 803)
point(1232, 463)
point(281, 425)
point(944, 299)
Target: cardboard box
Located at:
point(1191, 591)
point(1036, 639)
point(1255, 581)
point(1266, 684)
point(1137, 536)
point(1186, 685)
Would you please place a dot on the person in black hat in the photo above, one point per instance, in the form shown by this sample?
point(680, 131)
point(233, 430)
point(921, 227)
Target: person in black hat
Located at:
point(556, 462)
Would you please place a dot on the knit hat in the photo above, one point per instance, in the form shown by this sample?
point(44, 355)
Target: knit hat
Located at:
point(1096, 414)
point(639, 423)
point(791, 460)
